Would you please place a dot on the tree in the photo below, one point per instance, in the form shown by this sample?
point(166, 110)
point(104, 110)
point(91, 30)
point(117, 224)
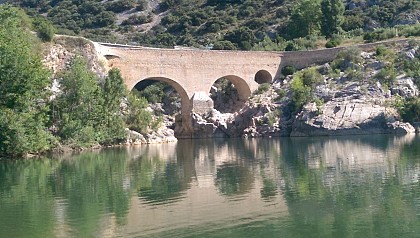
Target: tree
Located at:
point(79, 106)
point(305, 19)
point(45, 29)
point(23, 80)
point(113, 92)
point(332, 16)
point(243, 37)
point(138, 118)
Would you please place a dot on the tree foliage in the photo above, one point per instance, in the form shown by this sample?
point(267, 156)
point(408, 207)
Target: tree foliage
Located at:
point(410, 110)
point(138, 118)
point(79, 106)
point(205, 23)
point(303, 86)
point(332, 16)
point(88, 112)
point(305, 19)
point(23, 80)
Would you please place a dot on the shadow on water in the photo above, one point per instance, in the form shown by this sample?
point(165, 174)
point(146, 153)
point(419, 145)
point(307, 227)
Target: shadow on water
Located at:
point(293, 187)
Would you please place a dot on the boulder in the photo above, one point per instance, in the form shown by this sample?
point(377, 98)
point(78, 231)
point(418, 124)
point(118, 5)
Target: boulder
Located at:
point(134, 137)
point(348, 117)
point(405, 87)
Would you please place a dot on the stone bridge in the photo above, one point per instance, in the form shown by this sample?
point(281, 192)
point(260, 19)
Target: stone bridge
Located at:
point(193, 72)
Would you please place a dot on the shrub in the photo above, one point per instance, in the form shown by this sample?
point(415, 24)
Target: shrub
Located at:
point(386, 75)
point(137, 20)
point(311, 78)
point(410, 110)
point(301, 94)
point(281, 94)
point(224, 45)
point(306, 43)
point(138, 118)
point(44, 29)
point(410, 30)
point(380, 34)
point(263, 88)
point(288, 70)
point(153, 93)
point(412, 69)
point(120, 5)
point(334, 41)
point(347, 58)
point(381, 50)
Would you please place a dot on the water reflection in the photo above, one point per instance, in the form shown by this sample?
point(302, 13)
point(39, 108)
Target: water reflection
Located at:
point(233, 179)
point(302, 187)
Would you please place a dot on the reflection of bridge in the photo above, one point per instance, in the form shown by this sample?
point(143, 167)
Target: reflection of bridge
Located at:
point(193, 72)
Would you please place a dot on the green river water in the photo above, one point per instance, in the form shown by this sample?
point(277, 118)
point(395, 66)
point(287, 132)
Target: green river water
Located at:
point(364, 186)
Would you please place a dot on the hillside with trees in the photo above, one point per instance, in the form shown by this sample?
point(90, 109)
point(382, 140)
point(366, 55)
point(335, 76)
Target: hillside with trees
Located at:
point(231, 24)
point(84, 111)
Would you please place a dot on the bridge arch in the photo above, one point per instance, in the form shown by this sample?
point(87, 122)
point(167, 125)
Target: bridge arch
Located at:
point(185, 100)
point(244, 90)
point(263, 76)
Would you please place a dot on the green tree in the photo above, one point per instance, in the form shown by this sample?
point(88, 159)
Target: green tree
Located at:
point(305, 19)
point(113, 92)
point(410, 110)
point(332, 16)
point(302, 94)
point(44, 28)
point(138, 118)
point(243, 37)
point(23, 80)
point(79, 106)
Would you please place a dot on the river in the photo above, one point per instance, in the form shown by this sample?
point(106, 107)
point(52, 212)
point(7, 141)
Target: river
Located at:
point(364, 186)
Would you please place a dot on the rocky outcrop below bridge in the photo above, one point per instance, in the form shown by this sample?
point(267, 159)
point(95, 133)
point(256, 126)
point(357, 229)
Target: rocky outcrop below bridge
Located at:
point(346, 104)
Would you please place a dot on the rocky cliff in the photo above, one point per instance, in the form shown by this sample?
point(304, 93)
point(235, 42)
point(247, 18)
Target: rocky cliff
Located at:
point(359, 98)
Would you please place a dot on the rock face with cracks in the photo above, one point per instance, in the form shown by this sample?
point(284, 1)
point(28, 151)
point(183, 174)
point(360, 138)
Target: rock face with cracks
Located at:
point(348, 117)
point(351, 103)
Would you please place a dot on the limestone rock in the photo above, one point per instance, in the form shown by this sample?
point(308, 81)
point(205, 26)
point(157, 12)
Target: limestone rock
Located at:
point(348, 117)
point(134, 137)
point(405, 87)
point(162, 135)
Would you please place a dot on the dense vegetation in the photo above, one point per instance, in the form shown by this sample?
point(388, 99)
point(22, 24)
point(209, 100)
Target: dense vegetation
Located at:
point(230, 24)
point(86, 112)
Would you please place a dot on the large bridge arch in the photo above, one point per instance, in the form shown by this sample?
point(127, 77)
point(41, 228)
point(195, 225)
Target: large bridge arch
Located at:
point(244, 89)
point(183, 127)
point(185, 99)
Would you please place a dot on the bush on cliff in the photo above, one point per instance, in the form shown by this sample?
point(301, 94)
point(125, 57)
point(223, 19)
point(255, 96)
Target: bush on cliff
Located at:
point(303, 86)
point(288, 70)
point(410, 109)
point(44, 29)
point(347, 58)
